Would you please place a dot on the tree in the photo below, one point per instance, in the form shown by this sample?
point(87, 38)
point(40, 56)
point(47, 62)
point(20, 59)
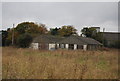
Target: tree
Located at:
point(67, 31)
point(117, 44)
point(24, 40)
point(99, 37)
point(31, 28)
point(4, 36)
point(89, 32)
point(25, 27)
point(92, 33)
point(9, 36)
point(54, 31)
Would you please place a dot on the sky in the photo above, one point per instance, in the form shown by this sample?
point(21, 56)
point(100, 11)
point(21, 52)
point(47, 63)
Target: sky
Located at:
point(57, 14)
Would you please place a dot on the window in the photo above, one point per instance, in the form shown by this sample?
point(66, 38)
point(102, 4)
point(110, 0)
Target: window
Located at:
point(71, 46)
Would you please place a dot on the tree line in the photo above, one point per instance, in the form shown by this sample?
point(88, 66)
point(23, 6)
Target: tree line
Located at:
point(26, 31)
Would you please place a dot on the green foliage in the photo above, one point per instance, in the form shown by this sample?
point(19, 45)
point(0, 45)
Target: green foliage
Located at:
point(30, 27)
point(25, 27)
point(24, 40)
point(9, 37)
point(99, 37)
point(67, 31)
point(89, 32)
point(116, 44)
point(102, 64)
point(92, 33)
point(4, 36)
point(8, 42)
point(54, 31)
point(105, 42)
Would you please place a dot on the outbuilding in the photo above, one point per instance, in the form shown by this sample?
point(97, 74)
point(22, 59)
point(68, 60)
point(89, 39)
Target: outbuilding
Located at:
point(78, 42)
point(46, 42)
point(49, 42)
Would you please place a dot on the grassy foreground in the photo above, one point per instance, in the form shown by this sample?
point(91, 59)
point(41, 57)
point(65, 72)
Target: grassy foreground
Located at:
point(59, 64)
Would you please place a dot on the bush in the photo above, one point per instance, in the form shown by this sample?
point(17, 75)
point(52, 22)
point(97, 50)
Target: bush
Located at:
point(117, 44)
point(24, 40)
point(7, 42)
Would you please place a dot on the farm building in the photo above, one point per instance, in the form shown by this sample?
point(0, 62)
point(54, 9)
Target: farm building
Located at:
point(46, 42)
point(77, 42)
point(73, 42)
point(111, 37)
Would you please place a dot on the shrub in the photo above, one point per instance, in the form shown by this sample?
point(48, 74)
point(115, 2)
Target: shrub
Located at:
point(24, 40)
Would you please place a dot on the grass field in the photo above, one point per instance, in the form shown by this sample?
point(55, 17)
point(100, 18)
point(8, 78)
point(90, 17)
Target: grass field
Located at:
point(59, 64)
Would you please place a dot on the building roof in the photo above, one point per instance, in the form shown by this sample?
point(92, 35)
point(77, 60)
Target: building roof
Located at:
point(68, 40)
point(111, 36)
point(89, 40)
point(79, 40)
point(72, 40)
point(47, 39)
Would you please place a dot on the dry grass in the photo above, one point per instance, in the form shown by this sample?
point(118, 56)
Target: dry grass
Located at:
point(59, 64)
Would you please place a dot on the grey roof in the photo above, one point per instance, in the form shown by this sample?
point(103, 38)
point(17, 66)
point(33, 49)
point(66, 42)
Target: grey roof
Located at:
point(79, 40)
point(68, 40)
point(72, 40)
point(89, 40)
point(112, 36)
point(47, 39)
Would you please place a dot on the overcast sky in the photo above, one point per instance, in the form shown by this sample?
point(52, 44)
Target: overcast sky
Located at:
point(57, 14)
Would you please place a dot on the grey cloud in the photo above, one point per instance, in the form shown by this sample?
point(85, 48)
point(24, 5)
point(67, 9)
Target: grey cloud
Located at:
point(56, 14)
point(0, 15)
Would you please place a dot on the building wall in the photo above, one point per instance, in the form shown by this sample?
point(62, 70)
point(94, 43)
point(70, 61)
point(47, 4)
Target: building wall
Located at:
point(98, 29)
point(34, 45)
point(43, 46)
point(58, 46)
point(94, 47)
point(52, 46)
point(79, 46)
point(75, 46)
point(67, 46)
point(71, 46)
point(62, 46)
point(84, 47)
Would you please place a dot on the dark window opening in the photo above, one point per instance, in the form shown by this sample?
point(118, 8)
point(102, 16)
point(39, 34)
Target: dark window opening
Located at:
point(71, 46)
point(79, 46)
